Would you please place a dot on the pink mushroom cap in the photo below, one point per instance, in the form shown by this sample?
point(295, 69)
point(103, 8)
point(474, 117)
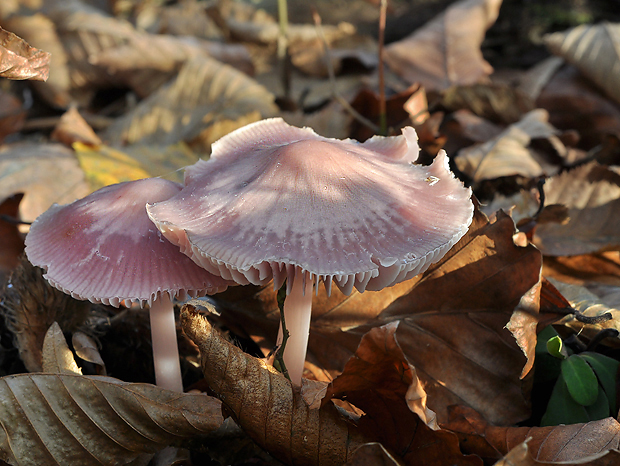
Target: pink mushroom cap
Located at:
point(104, 248)
point(274, 198)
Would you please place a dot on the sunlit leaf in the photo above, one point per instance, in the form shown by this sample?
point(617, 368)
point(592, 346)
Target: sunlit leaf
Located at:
point(18, 60)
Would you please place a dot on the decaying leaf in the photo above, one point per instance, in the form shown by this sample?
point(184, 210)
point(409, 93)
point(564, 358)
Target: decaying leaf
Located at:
point(266, 405)
point(446, 51)
point(453, 318)
point(521, 456)
point(18, 60)
point(73, 128)
point(46, 173)
point(569, 443)
point(61, 419)
point(508, 153)
point(573, 102)
point(379, 381)
point(30, 306)
point(592, 194)
point(593, 48)
point(205, 101)
point(57, 357)
point(86, 348)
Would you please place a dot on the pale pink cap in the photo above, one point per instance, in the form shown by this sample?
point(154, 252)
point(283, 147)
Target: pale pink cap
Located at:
point(104, 248)
point(273, 198)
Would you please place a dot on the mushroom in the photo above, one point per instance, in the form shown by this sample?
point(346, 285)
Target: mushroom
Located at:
point(104, 248)
point(283, 203)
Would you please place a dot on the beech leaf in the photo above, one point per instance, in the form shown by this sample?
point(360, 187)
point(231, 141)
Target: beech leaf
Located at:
point(266, 405)
point(61, 419)
point(592, 194)
point(18, 60)
point(205, 101)
point(446, 51)
point(57, 357)
point(574, 444)
point(12, 244)
point(593, 48)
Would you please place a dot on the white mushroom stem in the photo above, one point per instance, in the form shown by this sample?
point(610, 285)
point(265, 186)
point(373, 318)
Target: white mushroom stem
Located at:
point(165, 347)
point(297, 313)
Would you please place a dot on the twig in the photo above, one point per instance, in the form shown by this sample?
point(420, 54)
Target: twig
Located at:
point(283, 55)
point(332, 78)
point(382, 106)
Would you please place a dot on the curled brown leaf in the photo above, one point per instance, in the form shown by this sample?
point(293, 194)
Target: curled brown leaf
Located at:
point(18, 60)
point(266, 405)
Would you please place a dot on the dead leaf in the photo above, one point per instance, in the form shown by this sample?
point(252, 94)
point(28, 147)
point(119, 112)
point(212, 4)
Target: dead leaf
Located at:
point(61, 419)
point(46, 173)
point(104, 166)
point(379, 380)
point(372, 454)
point(30, 305)
point(521, 456)
point(73, 128)
point(508, 154)
point(12, 244)
point(40, 31)
point(568, 443)
point(585, 269)
point(57, 357)
point(437, 328)
point(592, 194)
point(574, 103)
point(593, 48)
point(498, 103)
point(18, 60)
point(204, 102)
point(266, 405)
point(446, 51)
point(536, 78)
point(87, 349)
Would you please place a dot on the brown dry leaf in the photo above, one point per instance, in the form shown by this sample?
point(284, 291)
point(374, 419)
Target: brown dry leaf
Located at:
point(330, 122)
point(508, 153)
point(57, 357)
point(18, 60)
point(446, 51)
point(266, 405)
point(495, 101)
point(61, 419)
point(73, 128)
point(40, 31)
point(11, 241)
point(569, 443)
point(574, 103)
point(46, 173)
point(30, 305)
point(379, 380)
point(486, 275)
point(147, 61)
point(86, 348)
point(585, 269)
point(592, 194)
point(521, 456)
point(595, 50)
point(204, 102)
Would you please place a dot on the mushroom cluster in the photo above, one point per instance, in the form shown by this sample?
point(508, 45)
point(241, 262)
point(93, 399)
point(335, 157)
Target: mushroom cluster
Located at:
point(276, 202)
point(103, 248)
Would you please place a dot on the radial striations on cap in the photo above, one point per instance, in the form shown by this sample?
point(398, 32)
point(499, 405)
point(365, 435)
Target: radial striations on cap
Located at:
point(274, 198)
point(105, 249)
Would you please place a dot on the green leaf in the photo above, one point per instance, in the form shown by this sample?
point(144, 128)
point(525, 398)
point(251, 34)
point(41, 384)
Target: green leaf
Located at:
point(605, 369)
point(562, 409)
point(600, 408)
point(556, 348)
point(580, 380)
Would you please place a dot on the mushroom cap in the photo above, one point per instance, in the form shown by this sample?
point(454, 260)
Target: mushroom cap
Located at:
point(104, 248)
point(273, 198)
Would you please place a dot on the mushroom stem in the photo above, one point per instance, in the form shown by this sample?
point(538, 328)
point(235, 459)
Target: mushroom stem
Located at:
point(165, 347)
point(297, 313)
